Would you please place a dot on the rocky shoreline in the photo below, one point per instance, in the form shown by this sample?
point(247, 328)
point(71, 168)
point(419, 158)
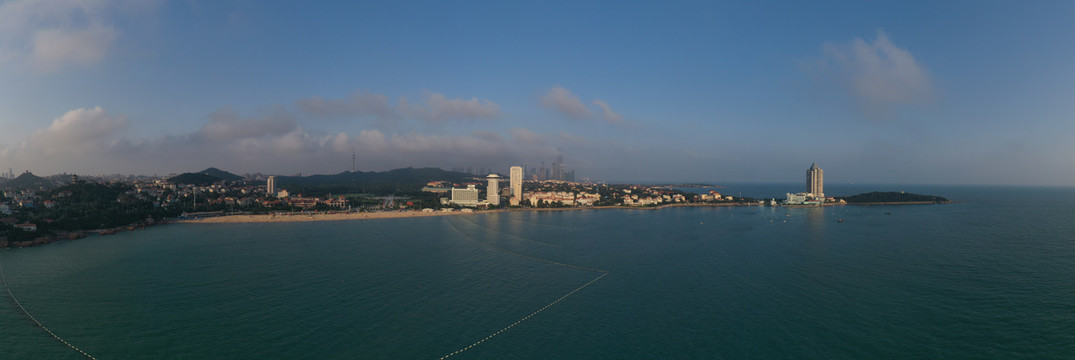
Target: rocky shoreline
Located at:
point(75, 235)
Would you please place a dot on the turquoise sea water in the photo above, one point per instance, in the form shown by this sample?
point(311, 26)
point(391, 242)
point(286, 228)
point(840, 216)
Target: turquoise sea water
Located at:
point(993, 277)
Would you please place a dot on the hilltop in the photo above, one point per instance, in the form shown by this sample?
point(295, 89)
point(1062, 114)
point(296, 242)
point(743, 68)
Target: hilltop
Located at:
point(388, 182)
point(204, 177)
point(221, 174)
point(892, 197)
point(397, 181)
point(29, 181)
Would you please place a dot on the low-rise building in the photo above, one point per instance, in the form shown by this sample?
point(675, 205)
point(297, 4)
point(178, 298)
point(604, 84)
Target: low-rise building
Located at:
point(465, 197)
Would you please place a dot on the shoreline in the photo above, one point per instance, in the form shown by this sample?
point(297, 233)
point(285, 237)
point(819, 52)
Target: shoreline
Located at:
point(317, 217)
point(308, 217)
point(314, 217)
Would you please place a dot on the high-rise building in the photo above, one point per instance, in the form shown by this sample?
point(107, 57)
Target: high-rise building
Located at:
point(516, 177)
point(815, 181)
point(270, 187)
point(492, 193)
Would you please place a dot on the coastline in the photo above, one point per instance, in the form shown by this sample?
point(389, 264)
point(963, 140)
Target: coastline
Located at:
point(316, 217)
point(312, 217)
point(307, 217)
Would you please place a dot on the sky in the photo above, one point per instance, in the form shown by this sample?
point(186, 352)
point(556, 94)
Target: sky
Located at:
point(903, 92)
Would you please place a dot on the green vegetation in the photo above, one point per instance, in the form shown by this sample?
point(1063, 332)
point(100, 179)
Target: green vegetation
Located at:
point(82, 205)
point(221, 174)
point(198, 179)
point(29, 181)
point(401, 182)
point(884, 197)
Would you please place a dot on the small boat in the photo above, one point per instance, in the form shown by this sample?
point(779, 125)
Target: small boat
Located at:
point(839, 220)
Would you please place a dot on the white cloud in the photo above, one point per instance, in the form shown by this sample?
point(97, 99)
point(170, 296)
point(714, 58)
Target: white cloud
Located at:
point(359, 103)
point(563, 101)
point(606, 112)
point(77, 131)
point(91, 141)
point(54, 48)
point(441, 108)
point(49, 35)
point(225, 124)
point(488, 136)
point(878, 75)
point(436, 108)
point(573, 139)
point(526, 136)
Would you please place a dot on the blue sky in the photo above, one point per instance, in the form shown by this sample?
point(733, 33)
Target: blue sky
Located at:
point(969, 92)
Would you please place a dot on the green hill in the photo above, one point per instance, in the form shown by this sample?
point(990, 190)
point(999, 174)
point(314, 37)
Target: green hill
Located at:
point(205, 177)
point(224, 175)
point(29, 181)
point(398, 181)
point(891, 197)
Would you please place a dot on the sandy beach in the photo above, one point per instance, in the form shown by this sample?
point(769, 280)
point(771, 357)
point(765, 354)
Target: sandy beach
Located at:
point(297, 217)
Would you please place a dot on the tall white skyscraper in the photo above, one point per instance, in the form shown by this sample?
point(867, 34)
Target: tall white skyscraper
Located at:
point(493, 191)
point(270, 188)
point(516, 177)
point(815, 181)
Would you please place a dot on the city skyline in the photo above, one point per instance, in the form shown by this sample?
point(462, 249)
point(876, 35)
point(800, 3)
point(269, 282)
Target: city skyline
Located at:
point(889, 92)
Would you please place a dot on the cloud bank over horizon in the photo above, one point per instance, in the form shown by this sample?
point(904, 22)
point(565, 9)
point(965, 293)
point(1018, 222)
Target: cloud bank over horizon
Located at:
point(273, 142)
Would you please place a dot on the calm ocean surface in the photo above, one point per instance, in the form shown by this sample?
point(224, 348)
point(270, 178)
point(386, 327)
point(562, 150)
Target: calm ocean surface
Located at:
point(991, 278)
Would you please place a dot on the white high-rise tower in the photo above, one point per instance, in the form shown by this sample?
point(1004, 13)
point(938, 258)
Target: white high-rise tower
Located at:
point(815, 181)
point(270, 188)
point(516, 177)
point(493, 191)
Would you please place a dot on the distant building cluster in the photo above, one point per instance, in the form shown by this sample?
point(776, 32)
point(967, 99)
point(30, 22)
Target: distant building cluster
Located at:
point(554, 171)
point(10, 174)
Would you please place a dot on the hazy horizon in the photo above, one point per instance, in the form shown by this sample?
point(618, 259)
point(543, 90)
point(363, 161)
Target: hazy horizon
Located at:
point(890, 93)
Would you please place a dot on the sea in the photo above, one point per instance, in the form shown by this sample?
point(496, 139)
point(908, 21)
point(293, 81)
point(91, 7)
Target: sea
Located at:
point(991, 276)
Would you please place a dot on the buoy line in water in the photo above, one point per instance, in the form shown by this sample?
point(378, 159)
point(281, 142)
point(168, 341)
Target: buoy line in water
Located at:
point(527, 317)
point(39, 324)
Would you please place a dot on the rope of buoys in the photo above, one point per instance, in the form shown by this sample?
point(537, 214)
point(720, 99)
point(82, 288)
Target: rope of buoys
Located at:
point(39, 324)
point(527, 317)
point(517, 322)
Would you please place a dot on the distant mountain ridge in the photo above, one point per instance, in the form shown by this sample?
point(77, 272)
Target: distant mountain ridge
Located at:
point(28, 181)
point(204, 177)
point(892, 197)
point(221, 174)
point(405, 175)
point(386, 182)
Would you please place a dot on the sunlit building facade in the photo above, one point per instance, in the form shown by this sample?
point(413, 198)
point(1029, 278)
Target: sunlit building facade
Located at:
point(815, 181)
point(516, 178)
